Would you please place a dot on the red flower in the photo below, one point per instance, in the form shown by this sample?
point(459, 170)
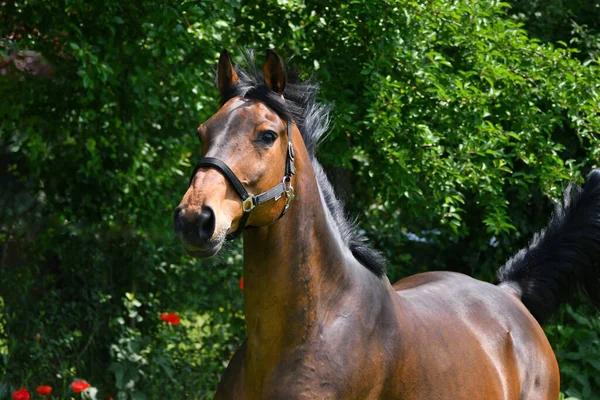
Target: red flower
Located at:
point(44, 390)
point(21, 394)
point(174, 319)
point(79, 386)
point(170, 318)
point(242, 283)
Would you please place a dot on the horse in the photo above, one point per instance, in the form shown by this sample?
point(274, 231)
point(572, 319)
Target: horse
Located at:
point(322, 319)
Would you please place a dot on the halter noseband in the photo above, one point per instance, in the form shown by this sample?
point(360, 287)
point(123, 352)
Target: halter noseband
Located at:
point(249, 201)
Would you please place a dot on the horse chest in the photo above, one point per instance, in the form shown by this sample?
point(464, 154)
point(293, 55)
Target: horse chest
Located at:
point(316, 378)
point(332, 366)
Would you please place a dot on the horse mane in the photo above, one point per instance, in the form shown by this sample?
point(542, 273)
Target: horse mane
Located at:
point(312, 119)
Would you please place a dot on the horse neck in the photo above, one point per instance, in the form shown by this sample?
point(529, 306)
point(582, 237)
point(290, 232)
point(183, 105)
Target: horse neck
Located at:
point(296, 271)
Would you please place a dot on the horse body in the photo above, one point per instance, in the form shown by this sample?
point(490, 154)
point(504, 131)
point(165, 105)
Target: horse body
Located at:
point(323, 320)
point(321, 326)
point(420, 346)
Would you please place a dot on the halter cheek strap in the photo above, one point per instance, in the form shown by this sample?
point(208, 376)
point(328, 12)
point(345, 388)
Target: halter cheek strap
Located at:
point(249, 201)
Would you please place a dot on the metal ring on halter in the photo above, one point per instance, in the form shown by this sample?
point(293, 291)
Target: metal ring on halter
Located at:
point(248, 204)
point(289, 194)
point(289, 189)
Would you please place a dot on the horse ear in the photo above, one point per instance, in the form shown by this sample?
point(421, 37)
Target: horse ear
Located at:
point(274, 72)
point(227, 77)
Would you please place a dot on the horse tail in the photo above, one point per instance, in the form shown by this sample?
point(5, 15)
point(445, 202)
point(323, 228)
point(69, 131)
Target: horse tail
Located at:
point(564, 255)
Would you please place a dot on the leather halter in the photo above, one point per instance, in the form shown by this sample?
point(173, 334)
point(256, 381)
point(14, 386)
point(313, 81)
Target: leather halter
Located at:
point(249, 201)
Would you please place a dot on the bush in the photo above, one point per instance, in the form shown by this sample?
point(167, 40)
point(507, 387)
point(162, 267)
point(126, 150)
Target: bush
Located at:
point(451, 130)
point(576, 342)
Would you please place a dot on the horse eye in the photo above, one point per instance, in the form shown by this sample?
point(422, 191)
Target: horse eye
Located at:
point(267, 137)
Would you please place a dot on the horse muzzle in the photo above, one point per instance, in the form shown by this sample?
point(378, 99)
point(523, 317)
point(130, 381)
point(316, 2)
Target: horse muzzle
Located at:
point(196, 230)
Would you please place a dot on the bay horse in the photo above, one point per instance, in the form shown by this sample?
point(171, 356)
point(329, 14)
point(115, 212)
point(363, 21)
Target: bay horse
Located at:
point(323, 320)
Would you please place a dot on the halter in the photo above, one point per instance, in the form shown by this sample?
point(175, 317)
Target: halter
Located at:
point(249, 200)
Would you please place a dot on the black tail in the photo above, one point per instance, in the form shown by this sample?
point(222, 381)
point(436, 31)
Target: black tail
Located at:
point(562, 256)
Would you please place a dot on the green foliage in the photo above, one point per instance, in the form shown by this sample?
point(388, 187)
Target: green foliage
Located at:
point(575, 22)
point(451, 130)
point(95, 151)
point(576, 341)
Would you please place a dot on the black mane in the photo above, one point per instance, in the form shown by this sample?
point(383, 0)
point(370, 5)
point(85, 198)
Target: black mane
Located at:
point(312, 119)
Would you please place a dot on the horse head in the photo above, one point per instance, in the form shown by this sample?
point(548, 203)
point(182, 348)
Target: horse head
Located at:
point(245, 175)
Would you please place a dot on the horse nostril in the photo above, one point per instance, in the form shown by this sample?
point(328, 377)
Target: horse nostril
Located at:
point(177, 222)
point(206, 223)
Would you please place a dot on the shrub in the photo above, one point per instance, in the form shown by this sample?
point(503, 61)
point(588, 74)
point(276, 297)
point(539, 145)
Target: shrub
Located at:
point(451, 130)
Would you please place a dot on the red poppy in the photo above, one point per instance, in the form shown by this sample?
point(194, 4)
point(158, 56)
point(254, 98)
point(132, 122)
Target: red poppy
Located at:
point(21, 394)
point(174, 319)
point(242, 283)
point(44, 390)
point(79, 386)
point(170, 318)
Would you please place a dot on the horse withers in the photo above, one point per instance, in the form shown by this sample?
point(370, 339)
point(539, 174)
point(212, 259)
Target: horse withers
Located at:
point(322, 318)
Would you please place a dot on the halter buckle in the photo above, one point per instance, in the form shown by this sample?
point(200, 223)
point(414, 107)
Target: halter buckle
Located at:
point(248, 204)
point(289, 192)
